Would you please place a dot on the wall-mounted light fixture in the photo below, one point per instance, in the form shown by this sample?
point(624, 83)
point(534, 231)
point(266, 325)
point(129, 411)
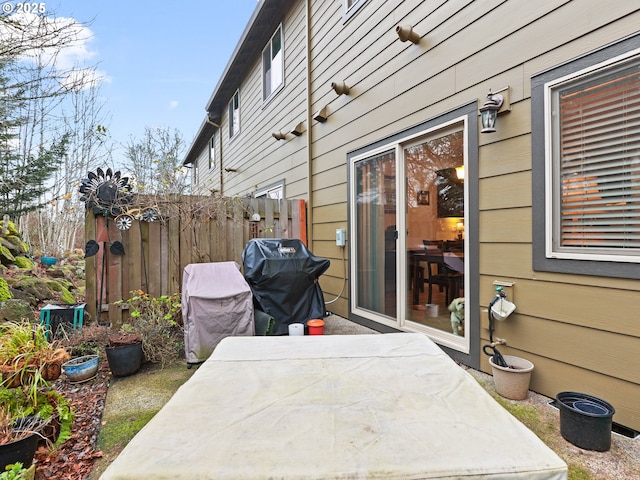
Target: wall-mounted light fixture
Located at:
point(405, 32)
point(279, 135)
point(321, 115)
point(298, 129)
point(340, 88)
point(496, 103)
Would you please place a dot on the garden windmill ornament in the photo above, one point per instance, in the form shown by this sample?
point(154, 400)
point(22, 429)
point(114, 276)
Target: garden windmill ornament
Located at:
point(108, 193)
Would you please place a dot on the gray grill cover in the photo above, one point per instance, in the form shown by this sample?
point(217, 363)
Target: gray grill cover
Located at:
point(216, 303)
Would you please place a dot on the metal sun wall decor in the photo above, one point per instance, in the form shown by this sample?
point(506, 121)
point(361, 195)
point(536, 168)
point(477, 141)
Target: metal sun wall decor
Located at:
point(108, 194)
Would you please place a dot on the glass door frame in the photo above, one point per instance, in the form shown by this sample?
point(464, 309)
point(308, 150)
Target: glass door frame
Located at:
point(469, 352)
point(441, 337)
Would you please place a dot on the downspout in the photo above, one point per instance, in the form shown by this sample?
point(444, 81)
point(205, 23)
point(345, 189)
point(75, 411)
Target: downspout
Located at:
point(309, 137)
point(209, 121)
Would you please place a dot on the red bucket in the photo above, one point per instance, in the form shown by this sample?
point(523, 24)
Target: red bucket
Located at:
point(316, 326)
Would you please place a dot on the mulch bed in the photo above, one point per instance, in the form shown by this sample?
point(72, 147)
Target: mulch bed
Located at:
point(74, 459)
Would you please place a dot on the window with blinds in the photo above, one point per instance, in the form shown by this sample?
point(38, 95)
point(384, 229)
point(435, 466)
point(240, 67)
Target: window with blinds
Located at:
point(595, 163)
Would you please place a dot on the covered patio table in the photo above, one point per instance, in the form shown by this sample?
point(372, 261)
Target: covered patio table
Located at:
point(380, 406)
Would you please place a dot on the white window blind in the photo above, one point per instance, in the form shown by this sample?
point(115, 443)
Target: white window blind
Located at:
point(597, 169)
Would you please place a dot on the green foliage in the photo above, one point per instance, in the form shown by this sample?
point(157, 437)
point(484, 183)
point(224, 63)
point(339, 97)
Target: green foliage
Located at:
point(23, 180)
point(49, 403)
point(14, 471)
point(5, 294)
point(159, 321)
point(25, 353)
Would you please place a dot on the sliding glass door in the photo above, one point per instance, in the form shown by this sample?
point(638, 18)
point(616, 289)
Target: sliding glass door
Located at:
point(408, 237)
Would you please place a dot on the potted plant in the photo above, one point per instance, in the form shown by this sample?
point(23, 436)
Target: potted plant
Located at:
point(158, 322)
point(48, 405)
point(19, 438)
point(124, 351)
point(27, 357)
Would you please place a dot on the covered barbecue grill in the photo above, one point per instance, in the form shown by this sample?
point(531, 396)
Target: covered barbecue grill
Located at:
point(283, 276)
point(216, 303)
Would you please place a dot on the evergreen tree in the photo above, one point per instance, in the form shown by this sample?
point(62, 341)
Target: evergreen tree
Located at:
point(23, 176)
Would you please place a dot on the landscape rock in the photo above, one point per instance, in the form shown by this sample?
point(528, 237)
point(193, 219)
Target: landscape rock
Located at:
point(15, 310)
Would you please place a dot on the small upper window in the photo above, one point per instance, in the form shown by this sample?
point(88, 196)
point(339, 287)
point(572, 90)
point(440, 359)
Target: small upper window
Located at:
point(212, 151)
point(273, 65)
point(234, 114)
point(275, 190)
point(350, 7)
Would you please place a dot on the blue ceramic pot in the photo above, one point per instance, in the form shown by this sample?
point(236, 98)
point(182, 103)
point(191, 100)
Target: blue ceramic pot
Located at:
point(49, 261)
point(81, 368)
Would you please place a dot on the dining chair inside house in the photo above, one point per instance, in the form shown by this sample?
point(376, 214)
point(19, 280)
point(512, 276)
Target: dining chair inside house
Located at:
point(439, 275)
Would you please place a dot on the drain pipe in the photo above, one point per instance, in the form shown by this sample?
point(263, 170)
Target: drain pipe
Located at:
point(211, 122)
point(309, 137)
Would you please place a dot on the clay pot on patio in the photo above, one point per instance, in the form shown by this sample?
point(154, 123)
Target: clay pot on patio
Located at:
point(512, 382)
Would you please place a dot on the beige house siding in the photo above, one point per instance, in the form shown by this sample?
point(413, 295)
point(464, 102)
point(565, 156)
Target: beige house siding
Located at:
point(580, 331)
point(564, 323)
point(259, 159)
point(208, 178)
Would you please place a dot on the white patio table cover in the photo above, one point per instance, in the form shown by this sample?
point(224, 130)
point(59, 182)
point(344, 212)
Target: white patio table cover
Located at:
point(390, 406)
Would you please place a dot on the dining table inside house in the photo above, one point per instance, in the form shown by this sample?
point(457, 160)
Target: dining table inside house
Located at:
point(374, 406)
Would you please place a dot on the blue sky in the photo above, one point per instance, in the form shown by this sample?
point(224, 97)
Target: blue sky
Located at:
point(161, 60)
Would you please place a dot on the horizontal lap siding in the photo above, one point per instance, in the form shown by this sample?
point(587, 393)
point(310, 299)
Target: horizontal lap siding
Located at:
point(259, 159)
point(564, 323)
point(574, 328)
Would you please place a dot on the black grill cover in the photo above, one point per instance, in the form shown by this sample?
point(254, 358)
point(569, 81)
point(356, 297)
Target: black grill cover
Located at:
point(283, 276)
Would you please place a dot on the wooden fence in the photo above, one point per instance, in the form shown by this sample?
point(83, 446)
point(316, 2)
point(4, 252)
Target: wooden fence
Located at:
point(190, 229)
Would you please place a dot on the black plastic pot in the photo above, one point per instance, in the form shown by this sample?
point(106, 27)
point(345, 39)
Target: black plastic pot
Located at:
point(585, 420)
point(22, 451)
point(124, 360)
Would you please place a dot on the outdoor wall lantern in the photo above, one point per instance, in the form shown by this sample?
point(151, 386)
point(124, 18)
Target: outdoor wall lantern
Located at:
point(321, 115)
point(298, 129)
point(279, 135)
point(340, 88)
point(405, 32)
point(496, 103)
